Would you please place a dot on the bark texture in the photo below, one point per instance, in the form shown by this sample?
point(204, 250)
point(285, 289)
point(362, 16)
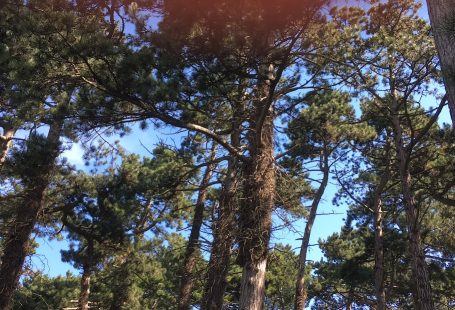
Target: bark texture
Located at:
point(258, 199)
point(253, 284)
point(187, 281)
point(223, 238)
point(442, 18)
point(225, 226)
point(5, 142)
point(300, 288)
point(422, 295)
point(17, 240)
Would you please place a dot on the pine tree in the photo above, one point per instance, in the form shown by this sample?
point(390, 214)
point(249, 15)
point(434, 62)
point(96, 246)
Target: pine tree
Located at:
point(322, 132)
point(443, 26)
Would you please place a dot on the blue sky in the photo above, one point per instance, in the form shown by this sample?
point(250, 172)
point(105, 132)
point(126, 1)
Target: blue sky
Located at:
point(47, 257)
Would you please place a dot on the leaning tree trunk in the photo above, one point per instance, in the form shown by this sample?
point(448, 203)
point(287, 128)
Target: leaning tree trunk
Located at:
point(223, 238)
point(17, 240)
point(5, 142)
point(442, 17)
point(187, 280)
point(423, 300)
point(300, 288)
point(84, 296)
point(257, 201)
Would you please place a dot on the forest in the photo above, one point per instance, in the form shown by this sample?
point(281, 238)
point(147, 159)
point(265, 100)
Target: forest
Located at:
point(252, 115)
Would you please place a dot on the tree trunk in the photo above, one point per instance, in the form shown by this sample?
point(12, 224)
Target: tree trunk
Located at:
point(300, 288)
point(442, 17)
point(224, 227)
point(379, 256)
point(85, 279)
point(223, 238)
point(258, 199)
point(187, 281)
point(423, 300)
point(379, 234)
point(253, 284)
point(5, 142)
point(17, 240)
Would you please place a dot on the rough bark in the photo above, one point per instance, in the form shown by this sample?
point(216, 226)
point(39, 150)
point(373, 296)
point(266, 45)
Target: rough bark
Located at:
point(224, 227)
point(442, 18)
point(253, 284)
point(17, 240)
point(5, 142)
point(300, 288)
point(84, 296)
point(223, 238)
point(257, 201)
point(421, 279)
point(187, 279)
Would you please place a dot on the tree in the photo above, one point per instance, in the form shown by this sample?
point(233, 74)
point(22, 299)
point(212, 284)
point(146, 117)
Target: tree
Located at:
point(392, 75)
point(51, 105)
point(212, 41)
point(442, 14)
point(107, 214)
point(189, 263)
point(42, 292)
point(321, 133)
point(41, 153)
point(280, 286)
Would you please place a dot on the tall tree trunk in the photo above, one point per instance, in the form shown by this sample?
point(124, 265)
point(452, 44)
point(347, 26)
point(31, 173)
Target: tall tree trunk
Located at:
point(379, 256)
point(423, 300)
point(223, 238)
point(258, 199)
point(379, 235)
point(187, 280)
point(17, 240)
point(5, 142)
point(442, 17)
point(224, 227)
point(300, 288)
point(84, 296)
point(253, 284)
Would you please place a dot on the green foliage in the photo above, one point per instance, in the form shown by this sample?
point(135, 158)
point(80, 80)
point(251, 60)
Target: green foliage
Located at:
point(142, 275)
point(41, 292)
point(328, 122)
point(280, 278)
point(200, 67)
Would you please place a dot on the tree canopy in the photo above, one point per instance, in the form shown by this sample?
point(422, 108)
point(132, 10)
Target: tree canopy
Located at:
point(257, 114)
